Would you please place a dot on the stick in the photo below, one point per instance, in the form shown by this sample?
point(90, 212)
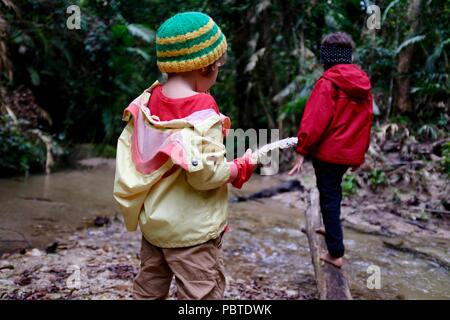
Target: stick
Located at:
point(280, 144)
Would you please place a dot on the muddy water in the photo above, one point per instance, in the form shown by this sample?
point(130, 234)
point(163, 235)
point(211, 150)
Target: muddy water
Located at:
point(265, 244)
point(272, 244)
point(35, 210)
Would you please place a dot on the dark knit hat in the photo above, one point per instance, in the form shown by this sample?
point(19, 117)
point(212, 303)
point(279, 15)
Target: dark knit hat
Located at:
point(335, 55)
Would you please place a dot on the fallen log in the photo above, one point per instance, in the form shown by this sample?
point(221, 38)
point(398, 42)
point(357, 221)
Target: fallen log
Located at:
point(286, 186)
point(331, 281)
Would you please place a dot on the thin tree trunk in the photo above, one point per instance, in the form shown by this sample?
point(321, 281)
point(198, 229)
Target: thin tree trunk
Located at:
point(404, 60)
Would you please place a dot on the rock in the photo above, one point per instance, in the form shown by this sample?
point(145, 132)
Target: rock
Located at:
point(23, 281)
point(124, 272)
point(34, 253)
point(291, 293)
point(5, 265)
point(101, 221)
point(52, 248)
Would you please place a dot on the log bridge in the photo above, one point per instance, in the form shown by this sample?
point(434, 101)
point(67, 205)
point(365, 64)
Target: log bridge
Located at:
point(330, 280)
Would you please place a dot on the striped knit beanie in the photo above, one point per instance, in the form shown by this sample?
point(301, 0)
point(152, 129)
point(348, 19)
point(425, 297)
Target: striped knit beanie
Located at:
point(188, 41)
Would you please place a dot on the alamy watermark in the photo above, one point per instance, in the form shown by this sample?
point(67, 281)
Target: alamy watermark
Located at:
point(373, 11)
point(73, 21)
point(374, 19)
point(74, 279)
point(236, 145)
point(209, 150)
point(374, 279)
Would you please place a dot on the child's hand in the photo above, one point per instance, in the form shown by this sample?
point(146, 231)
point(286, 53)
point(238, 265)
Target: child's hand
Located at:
point(297, 165)
point(244, 167)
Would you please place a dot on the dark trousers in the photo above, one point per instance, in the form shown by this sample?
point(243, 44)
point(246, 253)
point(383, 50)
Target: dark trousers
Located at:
point(329, 178)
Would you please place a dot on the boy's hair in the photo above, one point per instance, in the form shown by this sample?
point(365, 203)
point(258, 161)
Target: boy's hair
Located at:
point(338, 39)
point(336, 48)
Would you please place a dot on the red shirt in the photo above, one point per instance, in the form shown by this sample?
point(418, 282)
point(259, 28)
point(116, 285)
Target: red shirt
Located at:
point(336, 122)
point(175, 108)
point(166, 108)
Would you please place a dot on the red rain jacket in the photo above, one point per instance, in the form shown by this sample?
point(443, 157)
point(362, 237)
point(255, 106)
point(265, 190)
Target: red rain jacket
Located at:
point(336, 123)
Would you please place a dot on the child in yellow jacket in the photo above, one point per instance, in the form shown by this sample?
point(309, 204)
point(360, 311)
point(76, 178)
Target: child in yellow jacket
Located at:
point(171, 173)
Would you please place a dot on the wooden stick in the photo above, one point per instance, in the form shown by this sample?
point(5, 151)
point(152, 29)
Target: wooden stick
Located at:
point(331, 281)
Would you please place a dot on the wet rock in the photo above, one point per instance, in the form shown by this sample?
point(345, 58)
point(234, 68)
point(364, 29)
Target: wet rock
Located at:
point(58, 275)
point(100, 221)
point(124, 272)
point(34, 253)
point(52, 248)
point(446, 204)
point(5, 265)
point(24, 280)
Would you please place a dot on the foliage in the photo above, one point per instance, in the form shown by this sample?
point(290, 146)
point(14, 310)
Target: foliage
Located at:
point(349, 185)
point(85, 78)
point(105, 151)
point(20, 152)
point(445, 161)
point(376, 178)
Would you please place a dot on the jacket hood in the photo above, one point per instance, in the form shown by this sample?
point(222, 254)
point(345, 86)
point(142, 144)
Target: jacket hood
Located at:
point(154, 141)
point(349, 78)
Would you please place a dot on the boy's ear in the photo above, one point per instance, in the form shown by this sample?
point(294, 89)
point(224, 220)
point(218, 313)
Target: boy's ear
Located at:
point(205, 71)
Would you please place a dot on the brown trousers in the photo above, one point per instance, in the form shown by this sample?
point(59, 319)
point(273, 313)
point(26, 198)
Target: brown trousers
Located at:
point(198, 271)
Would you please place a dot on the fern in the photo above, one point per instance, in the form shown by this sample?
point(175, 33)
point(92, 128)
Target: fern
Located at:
point(436, 54)
point(428, 131)
point(389, 7)
point(144, 55)
point(142, 32)
point(408, 42)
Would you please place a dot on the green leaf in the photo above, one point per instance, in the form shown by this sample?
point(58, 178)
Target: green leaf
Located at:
point(34, 76)
point(389, 7)
point(142, 32)
point(140, 53)
point(408, 42)
point(376, 108)
point(436, 54)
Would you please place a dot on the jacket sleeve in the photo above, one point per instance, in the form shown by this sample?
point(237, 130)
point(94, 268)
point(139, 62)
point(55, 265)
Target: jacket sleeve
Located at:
point(318, 113)
point(215, 171)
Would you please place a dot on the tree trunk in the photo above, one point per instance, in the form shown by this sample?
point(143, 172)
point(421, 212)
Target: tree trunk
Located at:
point(404, 60)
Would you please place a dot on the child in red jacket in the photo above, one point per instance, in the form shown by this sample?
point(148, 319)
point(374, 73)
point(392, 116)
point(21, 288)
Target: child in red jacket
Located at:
point(335, 131)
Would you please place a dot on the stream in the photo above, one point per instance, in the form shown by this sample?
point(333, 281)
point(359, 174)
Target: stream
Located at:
point(265, 244)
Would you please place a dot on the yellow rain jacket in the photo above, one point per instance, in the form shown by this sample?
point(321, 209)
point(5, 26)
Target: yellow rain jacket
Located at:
point(188, 206)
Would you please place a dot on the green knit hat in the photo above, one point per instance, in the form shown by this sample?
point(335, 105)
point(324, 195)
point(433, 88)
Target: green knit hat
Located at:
point(188, 41)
